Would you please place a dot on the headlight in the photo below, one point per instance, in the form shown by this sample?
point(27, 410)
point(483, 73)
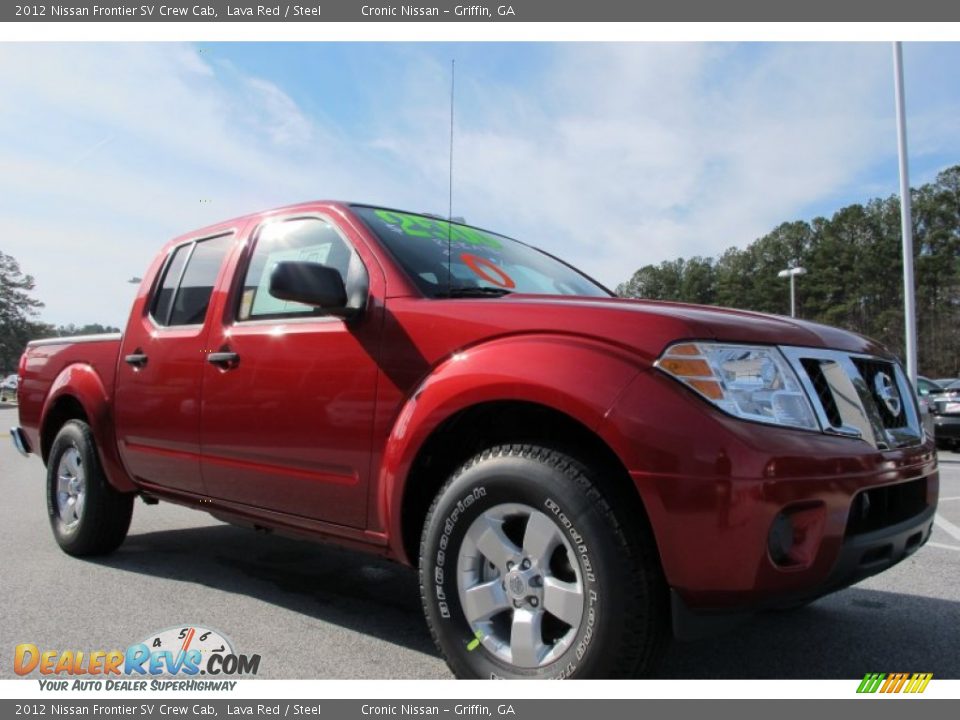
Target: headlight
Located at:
point(749, 382)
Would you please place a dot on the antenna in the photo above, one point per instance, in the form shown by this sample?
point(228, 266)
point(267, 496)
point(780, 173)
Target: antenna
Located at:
point(453, 73)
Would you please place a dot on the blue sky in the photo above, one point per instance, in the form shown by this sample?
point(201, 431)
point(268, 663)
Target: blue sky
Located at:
point(610, 155)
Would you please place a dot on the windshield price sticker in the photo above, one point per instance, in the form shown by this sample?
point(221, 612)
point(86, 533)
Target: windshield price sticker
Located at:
point(431, 229)
point(486, 270)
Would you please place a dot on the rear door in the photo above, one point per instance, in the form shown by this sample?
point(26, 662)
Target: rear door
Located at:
point(161, 368)
point(288, 402)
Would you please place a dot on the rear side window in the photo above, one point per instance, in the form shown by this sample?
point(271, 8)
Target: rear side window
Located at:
point(187, 285)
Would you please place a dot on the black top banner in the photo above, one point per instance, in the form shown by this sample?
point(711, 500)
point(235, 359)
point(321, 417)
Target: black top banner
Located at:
point(497, 11)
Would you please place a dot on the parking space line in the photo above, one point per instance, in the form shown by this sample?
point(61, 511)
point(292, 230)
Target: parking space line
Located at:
point(947, 526)
point(949, 498)
point(943, 547)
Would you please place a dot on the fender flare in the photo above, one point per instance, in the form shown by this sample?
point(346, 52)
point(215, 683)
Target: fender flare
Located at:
point(578, 377)
point(81, 382)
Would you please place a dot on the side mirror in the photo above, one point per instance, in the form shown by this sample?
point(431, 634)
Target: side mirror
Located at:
point(311, 284)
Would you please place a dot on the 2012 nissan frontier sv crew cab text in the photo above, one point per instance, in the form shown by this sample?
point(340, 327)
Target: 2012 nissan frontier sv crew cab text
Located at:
point(578, 477)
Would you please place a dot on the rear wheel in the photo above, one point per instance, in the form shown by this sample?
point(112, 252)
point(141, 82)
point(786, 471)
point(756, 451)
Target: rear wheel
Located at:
point(527, 572)
point(87, 515)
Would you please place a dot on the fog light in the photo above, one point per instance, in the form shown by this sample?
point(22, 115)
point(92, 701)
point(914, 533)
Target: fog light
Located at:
point(795, 535)
point(780, 541)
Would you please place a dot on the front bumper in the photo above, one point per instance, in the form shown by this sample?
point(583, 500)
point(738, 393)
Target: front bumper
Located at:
point(870, 553)
point(860, 557)
point(714, 487)
point(20, 441)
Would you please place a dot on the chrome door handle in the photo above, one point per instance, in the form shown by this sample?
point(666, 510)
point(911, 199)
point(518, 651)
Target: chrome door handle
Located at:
point(137, 359)
point(224, 359)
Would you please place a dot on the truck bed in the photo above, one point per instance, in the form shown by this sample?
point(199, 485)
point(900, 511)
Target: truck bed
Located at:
point(47, 360)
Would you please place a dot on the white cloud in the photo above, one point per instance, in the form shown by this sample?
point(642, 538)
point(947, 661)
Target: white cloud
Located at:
point(280, 117)
point(661, 154)
point(613, 156)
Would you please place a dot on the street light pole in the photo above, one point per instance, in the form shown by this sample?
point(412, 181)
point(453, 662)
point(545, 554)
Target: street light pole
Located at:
point(906, 222)
point(793, 296)
point(792, 274)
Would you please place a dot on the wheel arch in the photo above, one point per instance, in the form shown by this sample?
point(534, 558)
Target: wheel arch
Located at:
point(554, 383)
point(78, 393)
point(61, 411)
point(502, 422)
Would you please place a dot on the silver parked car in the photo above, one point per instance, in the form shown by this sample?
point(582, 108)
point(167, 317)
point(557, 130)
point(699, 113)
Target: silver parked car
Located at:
point(944, 406)
point(8, 388)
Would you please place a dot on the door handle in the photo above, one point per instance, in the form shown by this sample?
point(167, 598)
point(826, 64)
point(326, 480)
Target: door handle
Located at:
point(137, 358)
point(224, 359)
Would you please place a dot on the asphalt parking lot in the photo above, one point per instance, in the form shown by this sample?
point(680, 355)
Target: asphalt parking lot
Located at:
point(315, 611)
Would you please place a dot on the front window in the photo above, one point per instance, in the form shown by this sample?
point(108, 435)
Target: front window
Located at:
point(478, 262)
point(306, 239)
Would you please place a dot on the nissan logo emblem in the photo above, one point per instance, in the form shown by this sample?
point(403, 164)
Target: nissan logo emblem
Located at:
point(887, 392)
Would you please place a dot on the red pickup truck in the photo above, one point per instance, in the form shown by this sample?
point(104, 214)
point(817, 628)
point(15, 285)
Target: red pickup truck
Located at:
point(579, 477)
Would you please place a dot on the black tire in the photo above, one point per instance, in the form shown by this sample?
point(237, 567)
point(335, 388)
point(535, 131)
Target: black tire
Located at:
point(103, 521)
point(625, 622)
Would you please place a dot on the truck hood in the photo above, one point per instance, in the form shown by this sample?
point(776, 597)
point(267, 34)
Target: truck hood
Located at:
point(649, 326)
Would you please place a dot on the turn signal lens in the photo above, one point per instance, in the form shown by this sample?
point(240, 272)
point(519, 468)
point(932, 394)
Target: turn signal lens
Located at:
point(686, 368)
point(749, 382)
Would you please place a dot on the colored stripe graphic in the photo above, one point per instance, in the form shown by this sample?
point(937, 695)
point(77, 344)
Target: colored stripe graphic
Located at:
point(894, 683)
point(871, 681)
point(923, 679)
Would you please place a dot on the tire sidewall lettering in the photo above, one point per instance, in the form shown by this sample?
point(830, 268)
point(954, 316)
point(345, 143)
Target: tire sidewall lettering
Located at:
point(589, 576)
point(440, 559)
point(579, 545)
point(443, 554)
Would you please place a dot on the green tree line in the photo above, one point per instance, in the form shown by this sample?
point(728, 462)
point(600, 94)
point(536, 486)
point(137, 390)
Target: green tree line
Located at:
point(854, 274)
point(19, 312)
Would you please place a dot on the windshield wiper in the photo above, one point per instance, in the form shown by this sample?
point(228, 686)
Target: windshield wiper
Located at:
point(469, 292)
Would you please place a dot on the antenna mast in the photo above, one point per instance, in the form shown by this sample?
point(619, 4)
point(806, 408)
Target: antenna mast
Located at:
point(453, 71)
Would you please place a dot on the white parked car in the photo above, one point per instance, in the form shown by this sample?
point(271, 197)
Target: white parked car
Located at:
point(8, 388)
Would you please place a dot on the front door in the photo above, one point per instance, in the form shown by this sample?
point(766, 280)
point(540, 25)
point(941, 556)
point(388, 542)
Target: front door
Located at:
point(288, 400)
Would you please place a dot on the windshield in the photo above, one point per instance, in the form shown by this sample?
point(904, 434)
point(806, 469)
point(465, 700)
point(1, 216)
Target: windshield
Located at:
point(480, 262)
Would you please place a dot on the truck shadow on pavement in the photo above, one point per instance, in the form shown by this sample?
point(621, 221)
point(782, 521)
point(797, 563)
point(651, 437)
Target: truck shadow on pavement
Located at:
point(842, 636)
point(354, 590)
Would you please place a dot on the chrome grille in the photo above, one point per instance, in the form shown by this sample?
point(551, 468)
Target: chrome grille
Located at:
point(822, 389)
point(857, 396)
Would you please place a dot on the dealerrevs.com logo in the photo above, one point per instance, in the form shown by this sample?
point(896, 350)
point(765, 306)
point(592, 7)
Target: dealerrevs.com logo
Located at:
point(172, 659)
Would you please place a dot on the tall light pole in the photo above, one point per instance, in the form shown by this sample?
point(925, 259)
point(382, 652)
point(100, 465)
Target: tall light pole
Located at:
point(792, 274)
point(906, 223)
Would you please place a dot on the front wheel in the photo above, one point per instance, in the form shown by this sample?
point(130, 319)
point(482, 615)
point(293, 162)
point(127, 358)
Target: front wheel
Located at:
point(527, 572)
point(87, 515)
